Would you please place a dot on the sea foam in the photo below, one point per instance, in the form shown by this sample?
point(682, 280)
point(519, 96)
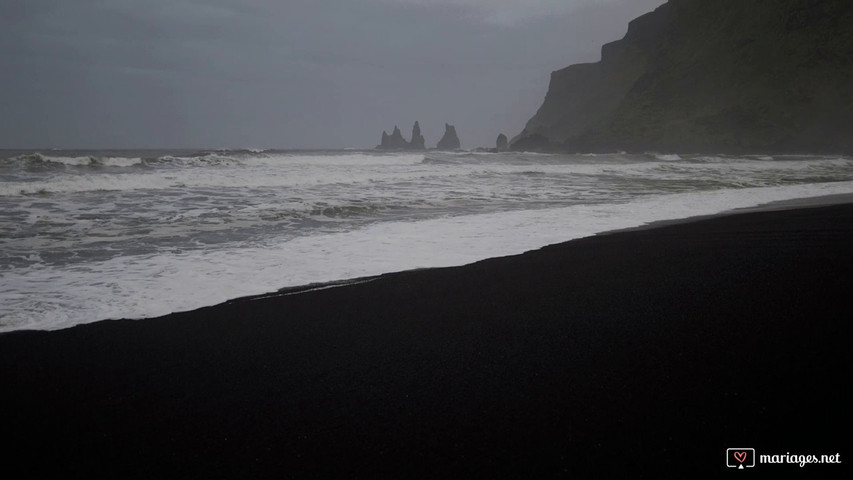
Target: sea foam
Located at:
point(46, 297)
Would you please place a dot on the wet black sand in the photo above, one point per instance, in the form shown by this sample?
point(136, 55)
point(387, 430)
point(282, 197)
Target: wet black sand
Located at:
point(645, 352)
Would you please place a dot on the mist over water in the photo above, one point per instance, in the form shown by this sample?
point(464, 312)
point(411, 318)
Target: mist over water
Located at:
point(87, 236)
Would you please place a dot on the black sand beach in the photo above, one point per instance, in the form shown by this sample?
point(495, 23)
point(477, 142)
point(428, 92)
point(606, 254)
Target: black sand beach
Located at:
point(643, 352)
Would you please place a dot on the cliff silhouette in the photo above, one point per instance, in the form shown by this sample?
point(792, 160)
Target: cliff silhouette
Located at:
point(722, 76)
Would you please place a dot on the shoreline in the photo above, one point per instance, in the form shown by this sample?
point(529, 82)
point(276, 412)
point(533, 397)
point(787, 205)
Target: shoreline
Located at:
point(641, 351)
point(804, 202)
point(208, 262)
point(792, 204)
point(796, 203)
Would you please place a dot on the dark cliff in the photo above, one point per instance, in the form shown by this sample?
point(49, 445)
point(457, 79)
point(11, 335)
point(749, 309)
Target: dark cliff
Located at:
point(710, 76)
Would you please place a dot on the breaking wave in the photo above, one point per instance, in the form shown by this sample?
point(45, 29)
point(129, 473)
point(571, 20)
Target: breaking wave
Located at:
point(88, 235)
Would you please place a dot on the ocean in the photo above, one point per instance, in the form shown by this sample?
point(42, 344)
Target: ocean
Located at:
point(94, 235)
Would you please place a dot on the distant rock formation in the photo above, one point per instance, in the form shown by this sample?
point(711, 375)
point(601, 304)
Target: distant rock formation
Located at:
point(395, 141)
point(418, 142)
point(502, 143)
point(450, 141)
point(722, 76)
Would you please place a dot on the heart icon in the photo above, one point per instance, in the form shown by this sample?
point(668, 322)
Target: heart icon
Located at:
point(740, 456)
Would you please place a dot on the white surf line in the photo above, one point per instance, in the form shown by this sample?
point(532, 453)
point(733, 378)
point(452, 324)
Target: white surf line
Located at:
point(341, 283)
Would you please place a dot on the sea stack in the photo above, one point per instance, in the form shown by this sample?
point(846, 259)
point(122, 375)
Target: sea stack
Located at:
point(502, 143)
point(418, 142)
point(450, 141)
point(395, 141)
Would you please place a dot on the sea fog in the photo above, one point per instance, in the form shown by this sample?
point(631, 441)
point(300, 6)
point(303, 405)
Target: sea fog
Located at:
point(96, 235)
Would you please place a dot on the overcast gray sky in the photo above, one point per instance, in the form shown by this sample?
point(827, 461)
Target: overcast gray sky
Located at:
point(285, 74)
